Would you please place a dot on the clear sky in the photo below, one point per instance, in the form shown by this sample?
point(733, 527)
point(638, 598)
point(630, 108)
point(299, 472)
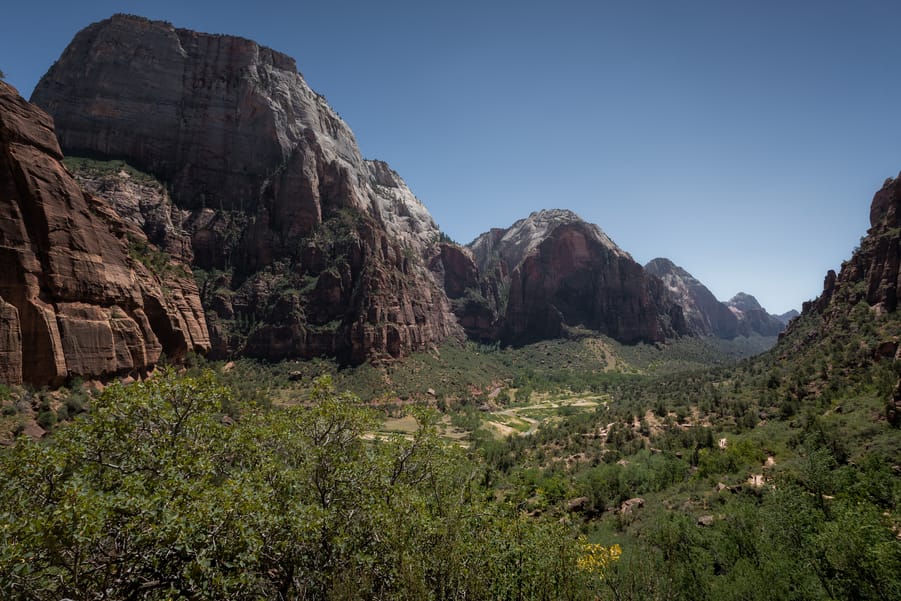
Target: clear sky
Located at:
point(742, 139)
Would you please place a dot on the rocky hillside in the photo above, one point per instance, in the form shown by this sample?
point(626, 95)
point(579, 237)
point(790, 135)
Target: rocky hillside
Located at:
point(304, 247)
point(82, 292)
point(552, 274)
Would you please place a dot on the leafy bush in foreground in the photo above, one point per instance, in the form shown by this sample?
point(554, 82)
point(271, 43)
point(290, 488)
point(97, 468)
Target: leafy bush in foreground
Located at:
point(155, 495)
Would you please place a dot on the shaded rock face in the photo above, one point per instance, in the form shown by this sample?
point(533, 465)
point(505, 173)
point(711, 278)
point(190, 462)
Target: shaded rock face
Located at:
point(75, 298)
point(752, 318)
point(707, 316)
point(474, 297)
point(556, 274)
point(265, 178)
point(704, 314)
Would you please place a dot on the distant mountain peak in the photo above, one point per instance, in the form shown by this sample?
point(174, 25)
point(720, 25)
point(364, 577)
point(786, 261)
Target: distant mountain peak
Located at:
point(754, 317)
point(704, 314)
point(524, 236)
point(744, 302)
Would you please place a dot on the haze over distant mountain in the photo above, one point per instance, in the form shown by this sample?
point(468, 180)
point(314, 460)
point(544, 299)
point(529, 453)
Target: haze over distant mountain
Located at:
point(707, 316)
point(788, 316)
point(752, 317)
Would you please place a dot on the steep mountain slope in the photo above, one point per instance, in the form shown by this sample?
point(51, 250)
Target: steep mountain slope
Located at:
point(706, 316)
point(310, 248)
point(871, 275)
point(76, 298)
point(865, 290)
point(752, 318)
point(552, 272)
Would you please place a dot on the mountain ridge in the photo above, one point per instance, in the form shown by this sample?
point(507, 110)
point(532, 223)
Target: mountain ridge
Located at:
point(304, 248)
point(742, 315)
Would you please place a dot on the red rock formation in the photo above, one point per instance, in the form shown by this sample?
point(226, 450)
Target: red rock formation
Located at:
point(263, 167)
point(475, 297)
point(565, 273)
point(80, 303)
point(10, 344)
point(571, 280)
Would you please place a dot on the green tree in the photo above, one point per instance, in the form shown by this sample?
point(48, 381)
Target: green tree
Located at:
point(153, 494)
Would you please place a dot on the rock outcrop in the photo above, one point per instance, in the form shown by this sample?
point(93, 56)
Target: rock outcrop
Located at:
point(752, 318)
point(704, 314)
point(873, 273)
point(77, 296)
point(786, 317)
point(563, 275)
point(141, 201)
point(306, 248)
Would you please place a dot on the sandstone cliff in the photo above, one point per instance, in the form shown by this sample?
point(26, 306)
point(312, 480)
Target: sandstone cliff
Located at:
point(556, 274)
point(75, 297)
point(305, 248)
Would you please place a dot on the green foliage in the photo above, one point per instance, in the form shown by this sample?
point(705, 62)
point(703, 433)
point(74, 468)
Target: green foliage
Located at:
point(153, 495)
point(101, 168)
point(158, 261)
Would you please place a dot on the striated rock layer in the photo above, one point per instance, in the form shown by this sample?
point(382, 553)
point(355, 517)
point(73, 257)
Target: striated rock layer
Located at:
point(306, 248)
point(75, 299)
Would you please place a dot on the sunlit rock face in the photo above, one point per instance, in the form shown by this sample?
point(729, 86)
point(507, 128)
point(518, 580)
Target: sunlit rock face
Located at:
point(75, 299)
point(704, 314)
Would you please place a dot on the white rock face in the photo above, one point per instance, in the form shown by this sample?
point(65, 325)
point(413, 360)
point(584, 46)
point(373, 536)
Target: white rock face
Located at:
point(404, 215)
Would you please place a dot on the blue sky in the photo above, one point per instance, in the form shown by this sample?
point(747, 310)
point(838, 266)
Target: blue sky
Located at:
point(743, 140)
